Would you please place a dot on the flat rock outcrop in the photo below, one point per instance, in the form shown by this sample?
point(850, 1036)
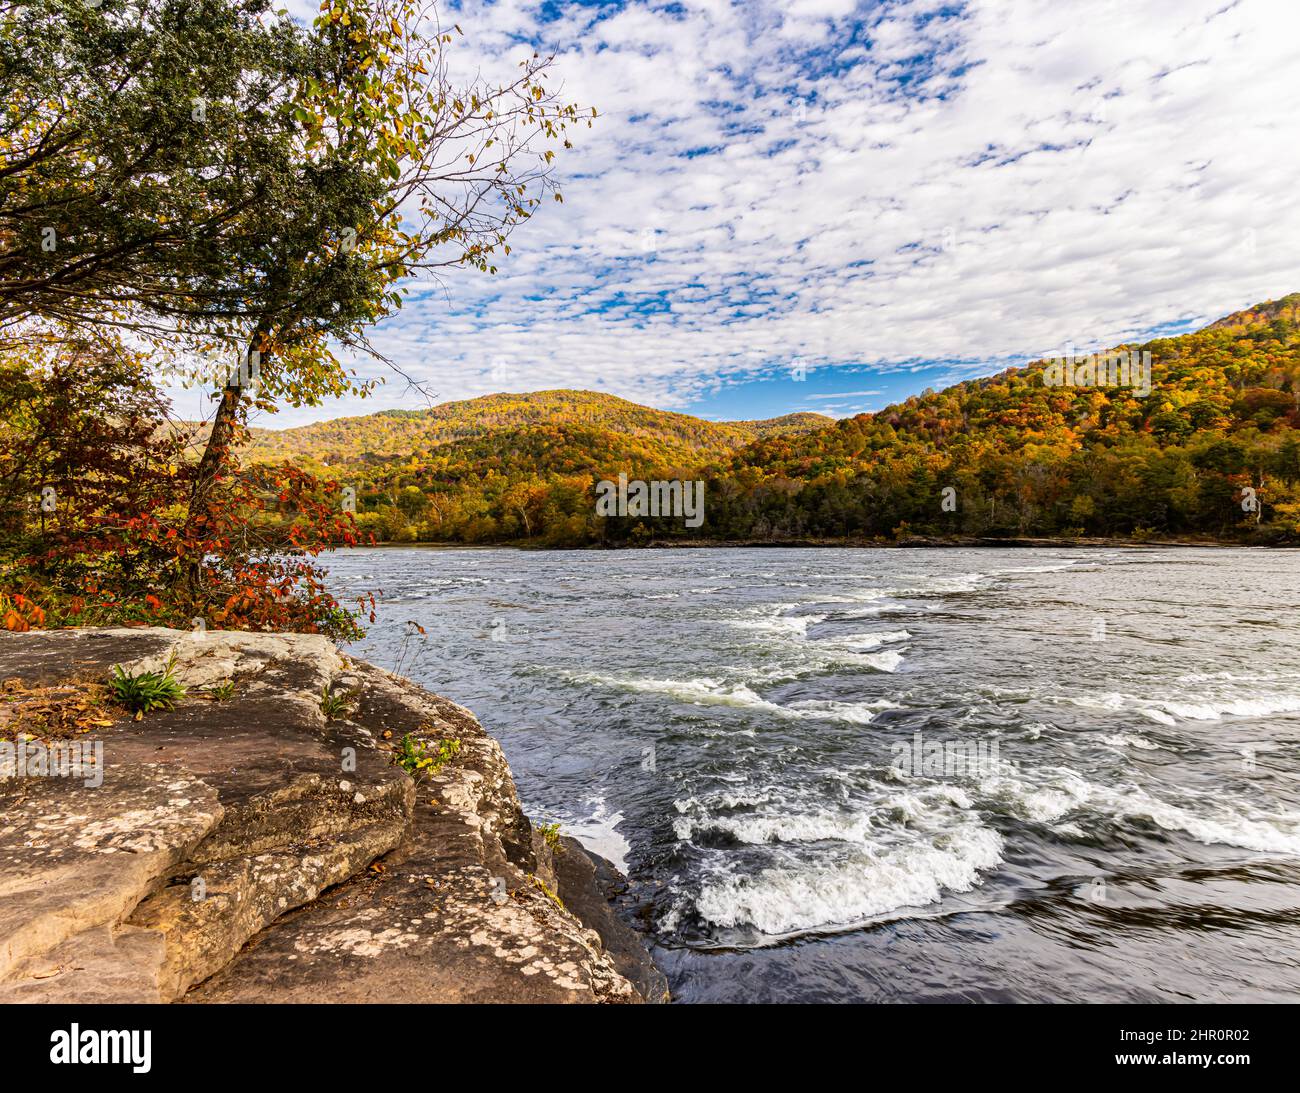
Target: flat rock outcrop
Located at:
point(248, 846)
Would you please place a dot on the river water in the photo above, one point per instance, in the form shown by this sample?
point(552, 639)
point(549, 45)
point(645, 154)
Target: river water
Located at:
point(897, 775)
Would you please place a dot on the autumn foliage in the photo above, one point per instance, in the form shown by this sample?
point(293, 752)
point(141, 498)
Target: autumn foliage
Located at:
point(1212, 451)
point(95, 491)
point(190, 185)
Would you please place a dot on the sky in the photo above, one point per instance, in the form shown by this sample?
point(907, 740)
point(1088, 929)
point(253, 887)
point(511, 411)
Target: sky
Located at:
point(828, 205)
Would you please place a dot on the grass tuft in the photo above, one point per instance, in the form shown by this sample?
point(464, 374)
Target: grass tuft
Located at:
point(223, 691)
point(144, 692)
point(335, 704)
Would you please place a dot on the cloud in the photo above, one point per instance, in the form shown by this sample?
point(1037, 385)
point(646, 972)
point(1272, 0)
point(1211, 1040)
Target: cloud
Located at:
point(844, 394)
point(886, 184)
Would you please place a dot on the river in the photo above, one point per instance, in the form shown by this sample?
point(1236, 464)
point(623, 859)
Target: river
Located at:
point(922, 775)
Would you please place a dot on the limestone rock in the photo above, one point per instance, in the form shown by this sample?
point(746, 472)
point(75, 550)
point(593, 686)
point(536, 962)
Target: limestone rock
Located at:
point(588, 885)
point(74, 858)
point(252, 849)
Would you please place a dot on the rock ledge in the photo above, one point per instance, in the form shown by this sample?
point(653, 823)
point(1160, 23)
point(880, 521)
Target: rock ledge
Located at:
point(245, 847)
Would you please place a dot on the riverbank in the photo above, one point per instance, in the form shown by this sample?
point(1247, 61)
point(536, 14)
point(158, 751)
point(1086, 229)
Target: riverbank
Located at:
point(277, 836)
point(963, 541)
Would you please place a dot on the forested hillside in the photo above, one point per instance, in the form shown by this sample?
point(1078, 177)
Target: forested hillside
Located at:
point(657, 435)
point(1212, 450)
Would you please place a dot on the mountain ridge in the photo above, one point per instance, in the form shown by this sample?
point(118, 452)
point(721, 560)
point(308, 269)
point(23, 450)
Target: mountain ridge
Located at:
point(1208, 444)
point(398, 433)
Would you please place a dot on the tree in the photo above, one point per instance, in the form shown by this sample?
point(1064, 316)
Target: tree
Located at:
point(78, 435)
point(140, 142)
point(401, 171)
point(197, 168)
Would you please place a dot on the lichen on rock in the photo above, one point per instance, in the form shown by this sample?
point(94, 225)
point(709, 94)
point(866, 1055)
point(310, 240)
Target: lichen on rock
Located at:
point(264, 848)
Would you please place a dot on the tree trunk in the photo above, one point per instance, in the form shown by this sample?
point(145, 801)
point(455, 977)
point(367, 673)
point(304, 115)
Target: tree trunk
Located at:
point(215, 458)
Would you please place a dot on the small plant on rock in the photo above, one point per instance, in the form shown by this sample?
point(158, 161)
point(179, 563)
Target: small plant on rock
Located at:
point(546, 891)
point(418, 759)
point(223, 691)
point(551, 835)
point(335, 704)
point(144, 692)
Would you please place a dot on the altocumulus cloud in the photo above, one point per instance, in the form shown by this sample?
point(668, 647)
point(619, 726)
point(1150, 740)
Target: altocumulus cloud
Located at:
point(876, 184)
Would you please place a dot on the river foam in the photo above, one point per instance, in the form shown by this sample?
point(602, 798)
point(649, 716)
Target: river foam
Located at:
point(728, 725)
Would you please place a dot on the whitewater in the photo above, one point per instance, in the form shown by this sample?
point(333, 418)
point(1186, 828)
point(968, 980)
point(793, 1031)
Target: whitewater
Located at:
point(725, 724)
